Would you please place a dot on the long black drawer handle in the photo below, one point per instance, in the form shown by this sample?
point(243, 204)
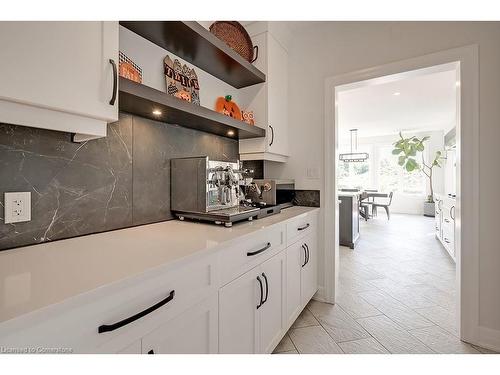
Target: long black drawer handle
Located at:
point(252, 253)
point(267, 287)
point(112, 327)
point(304, 227)
point(307, 251)
point(305, 255)
point(261, 292)
point(115, 82)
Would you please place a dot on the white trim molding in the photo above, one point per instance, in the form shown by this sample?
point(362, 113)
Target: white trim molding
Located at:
point(467, 209)
point(264, 156)
point(489, 338)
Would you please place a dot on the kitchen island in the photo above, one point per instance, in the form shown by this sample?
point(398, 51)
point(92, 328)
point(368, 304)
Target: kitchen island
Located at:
point(348, 218)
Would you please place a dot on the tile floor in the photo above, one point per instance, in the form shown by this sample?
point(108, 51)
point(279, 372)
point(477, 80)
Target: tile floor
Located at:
point(396, 295)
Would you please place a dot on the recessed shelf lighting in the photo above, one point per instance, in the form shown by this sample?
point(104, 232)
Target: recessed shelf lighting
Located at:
point(157, 112)
point(230, 132)
point(396, 94)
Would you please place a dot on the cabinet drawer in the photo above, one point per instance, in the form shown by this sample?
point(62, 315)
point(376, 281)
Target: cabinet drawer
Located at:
point(250, 252)
point(301, 226)
point(74, 323)
point(193, 331)
point(449, 234)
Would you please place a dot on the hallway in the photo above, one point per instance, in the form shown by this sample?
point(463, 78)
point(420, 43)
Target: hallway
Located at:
point(396, 295)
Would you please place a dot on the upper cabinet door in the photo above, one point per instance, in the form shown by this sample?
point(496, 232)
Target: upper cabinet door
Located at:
point(61, 66)
point(272, 313)
point(238, 314)
point(277, 97)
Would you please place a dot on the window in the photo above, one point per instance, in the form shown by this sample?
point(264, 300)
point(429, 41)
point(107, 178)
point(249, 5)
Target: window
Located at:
point(355, 175)
point(392, 177)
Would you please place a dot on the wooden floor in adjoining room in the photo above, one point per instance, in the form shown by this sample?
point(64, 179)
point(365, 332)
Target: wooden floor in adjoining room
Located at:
point(397, 294)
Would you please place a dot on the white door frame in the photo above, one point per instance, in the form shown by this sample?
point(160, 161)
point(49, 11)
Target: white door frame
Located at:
point(467, 208)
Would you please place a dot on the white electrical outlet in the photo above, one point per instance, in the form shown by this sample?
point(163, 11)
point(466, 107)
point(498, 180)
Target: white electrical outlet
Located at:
point(17, 207)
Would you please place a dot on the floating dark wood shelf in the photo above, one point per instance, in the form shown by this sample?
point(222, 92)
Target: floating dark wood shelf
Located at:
point(142, 100)
point(194, 43)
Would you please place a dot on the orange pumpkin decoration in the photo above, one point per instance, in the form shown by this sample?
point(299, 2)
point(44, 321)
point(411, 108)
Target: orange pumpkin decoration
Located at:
point(225, 106)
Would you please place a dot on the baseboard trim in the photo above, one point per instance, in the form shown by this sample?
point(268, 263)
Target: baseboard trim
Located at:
point(320, 295)
point(489, 338)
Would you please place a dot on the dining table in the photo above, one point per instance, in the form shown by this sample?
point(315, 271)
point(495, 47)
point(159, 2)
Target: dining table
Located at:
point(364, 196)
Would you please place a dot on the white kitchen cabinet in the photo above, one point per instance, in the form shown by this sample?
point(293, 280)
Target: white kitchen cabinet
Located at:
point(134, 348)
point(238, 314)
point(195, 306)
point(445, 223)
point(302, 279)
point(59, 75)
point(251, 310)
point(309, 272)
point(269, 100)
point(277, 97)
point(272, 312)
point(295, 258)
point(192, 332)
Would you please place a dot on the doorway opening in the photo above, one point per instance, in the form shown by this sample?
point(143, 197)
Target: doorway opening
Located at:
point(424, 286)
point(396, 182)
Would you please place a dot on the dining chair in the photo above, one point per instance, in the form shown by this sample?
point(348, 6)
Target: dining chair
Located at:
point(376, 205)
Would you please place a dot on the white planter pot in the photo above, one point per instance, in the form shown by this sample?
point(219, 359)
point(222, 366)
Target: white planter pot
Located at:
point(429, 209)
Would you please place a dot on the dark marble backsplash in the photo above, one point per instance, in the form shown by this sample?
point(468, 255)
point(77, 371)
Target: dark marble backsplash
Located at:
point(257, 166)
point(114, 182)
point(309, 198)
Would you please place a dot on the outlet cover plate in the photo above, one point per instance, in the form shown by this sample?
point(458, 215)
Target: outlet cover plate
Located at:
point(17, 207)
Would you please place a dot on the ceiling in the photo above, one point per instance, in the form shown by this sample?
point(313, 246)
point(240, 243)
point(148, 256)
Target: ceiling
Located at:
point(415, 103)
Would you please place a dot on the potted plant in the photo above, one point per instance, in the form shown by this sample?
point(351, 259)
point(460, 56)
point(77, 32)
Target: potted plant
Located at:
point(407, 149)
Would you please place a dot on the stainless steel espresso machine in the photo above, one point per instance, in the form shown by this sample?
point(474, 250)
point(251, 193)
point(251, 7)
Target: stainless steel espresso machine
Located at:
point(209, 190)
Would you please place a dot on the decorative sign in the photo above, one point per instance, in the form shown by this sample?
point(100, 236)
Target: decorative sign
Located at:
point(182, 82)
point(129, 69)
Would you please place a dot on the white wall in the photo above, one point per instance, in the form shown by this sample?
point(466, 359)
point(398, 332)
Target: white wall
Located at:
point(333, 48)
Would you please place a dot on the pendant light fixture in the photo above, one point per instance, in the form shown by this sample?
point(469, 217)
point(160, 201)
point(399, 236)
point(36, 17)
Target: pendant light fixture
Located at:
point(354, 157)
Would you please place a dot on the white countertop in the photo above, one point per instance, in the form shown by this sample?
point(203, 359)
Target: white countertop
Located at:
point(40, 275)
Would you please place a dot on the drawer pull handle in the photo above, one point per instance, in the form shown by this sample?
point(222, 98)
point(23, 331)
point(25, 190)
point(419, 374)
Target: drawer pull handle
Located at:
point(305, 255)
point(307, 252)
point(304, 227)
point(446, 240)
point(252, 253)
point(133, 318)
point(267, 287)
point(151, 351)
point(115, 82)
point(446, 220)
point(261, 302)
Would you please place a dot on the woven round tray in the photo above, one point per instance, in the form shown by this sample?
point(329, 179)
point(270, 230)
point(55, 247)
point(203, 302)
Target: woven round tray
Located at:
point(236, 37)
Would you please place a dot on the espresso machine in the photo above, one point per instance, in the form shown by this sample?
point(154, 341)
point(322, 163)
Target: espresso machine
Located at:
point(209, 190)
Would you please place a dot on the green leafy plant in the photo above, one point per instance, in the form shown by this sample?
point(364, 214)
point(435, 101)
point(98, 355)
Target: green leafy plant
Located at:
point(407, 150)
